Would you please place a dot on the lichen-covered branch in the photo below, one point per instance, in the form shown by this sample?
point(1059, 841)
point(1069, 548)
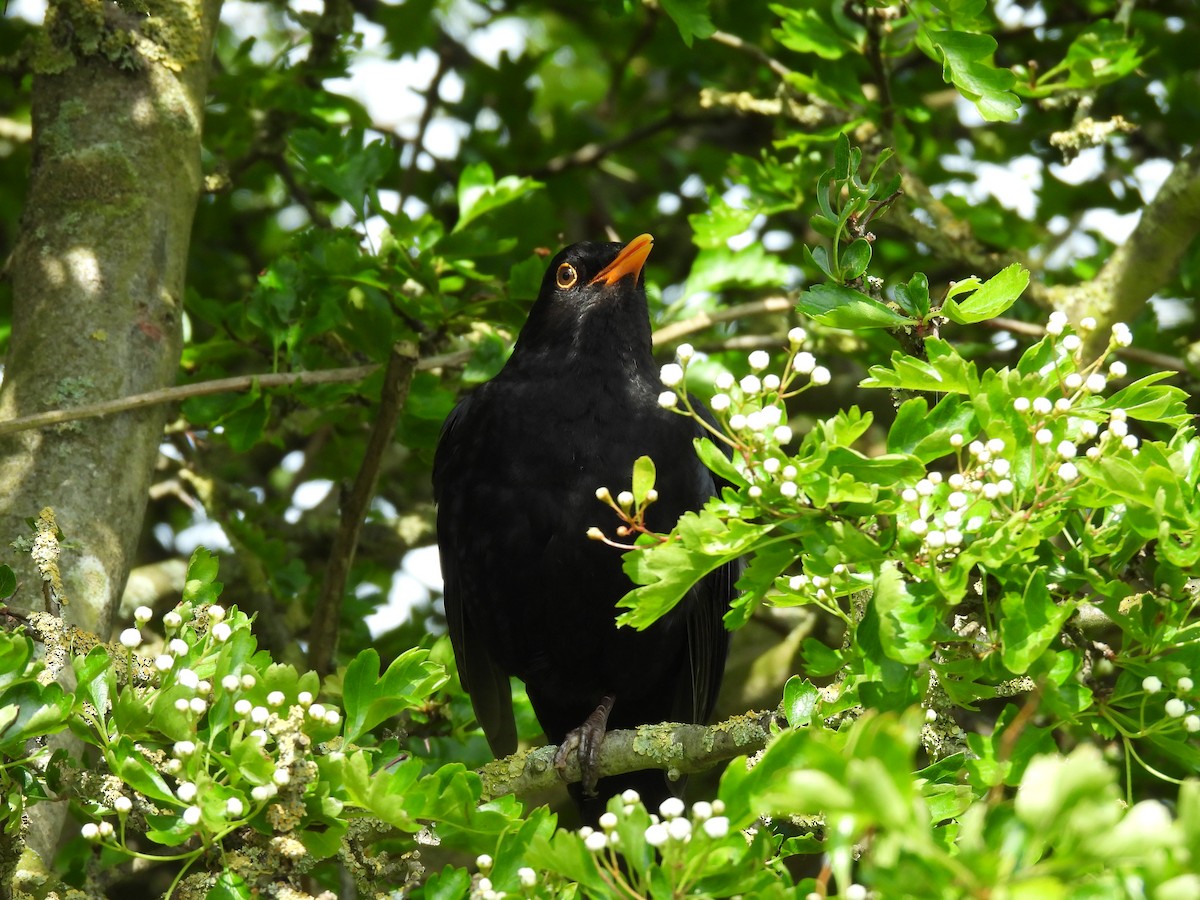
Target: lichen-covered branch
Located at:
point(674, 748)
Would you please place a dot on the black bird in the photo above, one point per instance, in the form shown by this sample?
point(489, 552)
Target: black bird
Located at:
point(515, 477)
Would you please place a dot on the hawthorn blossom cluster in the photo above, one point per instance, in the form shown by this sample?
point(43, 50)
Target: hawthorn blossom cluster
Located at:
point(751, 410)
point(1066, 422)
point(1176, 708)
point(268, 721)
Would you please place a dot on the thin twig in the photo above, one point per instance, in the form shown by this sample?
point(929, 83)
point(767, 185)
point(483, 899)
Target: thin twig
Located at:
point(1160, 361)
point(328, 612)
point(699, 322)
point(732, 40)
point(219, 386)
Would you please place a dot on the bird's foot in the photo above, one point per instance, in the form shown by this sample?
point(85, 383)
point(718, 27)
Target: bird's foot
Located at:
point(585, 742)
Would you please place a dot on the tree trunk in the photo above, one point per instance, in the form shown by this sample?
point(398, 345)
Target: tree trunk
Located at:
point(98, 278)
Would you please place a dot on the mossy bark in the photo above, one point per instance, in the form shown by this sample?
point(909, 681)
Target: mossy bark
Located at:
point(98, 280)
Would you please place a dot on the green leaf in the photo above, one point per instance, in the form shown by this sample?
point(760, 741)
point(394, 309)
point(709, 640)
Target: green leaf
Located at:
point(855, 259)
point(690, 17)
point(905, 621)
point(966, 63)
point(479, 193)
point(720, 464)
point(369, 699)
point(643, 479)
point(992, 298)
point(718, 268)
point(800, 700)
point(1031, 621)
point(229, 886)
point(8, 582)
point(841, 307)
point(804, 31)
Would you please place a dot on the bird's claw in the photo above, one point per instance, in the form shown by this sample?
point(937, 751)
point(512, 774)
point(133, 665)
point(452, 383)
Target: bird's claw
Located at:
point(585, 742)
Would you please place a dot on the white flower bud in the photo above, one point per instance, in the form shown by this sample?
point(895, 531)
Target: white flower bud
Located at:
point(1042, 405)
point(130, 638)
point(685, 352)
point(750, 384)
point(797, 335)
point(1176, 708)
point(142, 615)
point(1068, 472)
point(656, 835)
point(1021, 404)
point(759, 360)
point(671, 374)
point(275, 698)
point(216, 613)
point(668, 400)
point(191, 815)
point(90, 831)
point(804, 363)
point(1151, 684)
point(222, 632)
point(172, 620)
point(820, 375)
point(186, 792)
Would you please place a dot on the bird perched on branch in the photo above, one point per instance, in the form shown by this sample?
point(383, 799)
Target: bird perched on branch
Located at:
point(515, 476)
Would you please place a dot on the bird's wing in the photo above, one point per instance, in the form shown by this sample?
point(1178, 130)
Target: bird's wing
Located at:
point(481, 676)
point(707, 638)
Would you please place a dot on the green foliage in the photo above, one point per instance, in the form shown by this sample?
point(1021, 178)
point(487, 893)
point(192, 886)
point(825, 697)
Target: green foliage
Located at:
point(981, 539)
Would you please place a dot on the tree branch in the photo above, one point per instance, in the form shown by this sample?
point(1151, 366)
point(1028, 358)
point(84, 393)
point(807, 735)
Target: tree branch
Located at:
point(677, 749)
point(218, 386)
point(1146, 261)
point(327, 614)
point(676, 330)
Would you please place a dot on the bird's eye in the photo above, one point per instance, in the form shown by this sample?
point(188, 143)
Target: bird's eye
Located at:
point(567, 276)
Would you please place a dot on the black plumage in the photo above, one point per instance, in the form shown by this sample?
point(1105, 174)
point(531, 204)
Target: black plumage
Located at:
point(515, 477)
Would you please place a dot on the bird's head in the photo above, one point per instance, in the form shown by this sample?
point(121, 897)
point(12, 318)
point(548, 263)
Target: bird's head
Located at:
point(592, 301)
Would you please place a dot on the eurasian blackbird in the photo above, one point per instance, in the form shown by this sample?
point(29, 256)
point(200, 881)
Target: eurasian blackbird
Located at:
point(515, 477)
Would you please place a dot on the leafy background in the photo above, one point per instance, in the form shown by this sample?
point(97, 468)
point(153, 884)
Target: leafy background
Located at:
point(1021, 139)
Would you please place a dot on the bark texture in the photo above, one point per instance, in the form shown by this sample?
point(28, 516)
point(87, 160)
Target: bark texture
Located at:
point(98, 278)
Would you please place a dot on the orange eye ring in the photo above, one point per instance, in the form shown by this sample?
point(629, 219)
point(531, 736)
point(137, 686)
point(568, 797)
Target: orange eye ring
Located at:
point(566, 277)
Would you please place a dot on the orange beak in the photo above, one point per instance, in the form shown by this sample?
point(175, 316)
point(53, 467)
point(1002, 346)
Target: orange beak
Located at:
point(628, 262)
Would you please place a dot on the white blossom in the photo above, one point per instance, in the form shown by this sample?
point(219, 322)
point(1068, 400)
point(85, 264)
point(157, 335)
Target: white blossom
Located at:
point(596, 841)
point(719, 402)
point(172, 620)
point(191, 815)
point(186, 792)
point(759, 360)
point(1068, 472)
point(234, 807)
point(797, 335)
point(668, 400)
point(1117, 369)
point(275, 698)
point(685, 352)
point(90, 831)
point(804, 363)
point(1096, 383)
point(130, 638)
point(656, 835)
point(1021, 404)
point(1044, 436)
point(222, 632)
point(1176, 708)
point(142, 615)
point(1042, 405)
point(1151, 684)
point(671, 374)
point(820, 375)
point(751, 384)
point(723, 381)
point(216, 613)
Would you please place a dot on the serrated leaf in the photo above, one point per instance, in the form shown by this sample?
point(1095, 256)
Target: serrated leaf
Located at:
point(480, 193)
point(690, 17)
point(966, 63)
point(804, 31)
point(991, 299)
point(841, 307)
point(1031, 621)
